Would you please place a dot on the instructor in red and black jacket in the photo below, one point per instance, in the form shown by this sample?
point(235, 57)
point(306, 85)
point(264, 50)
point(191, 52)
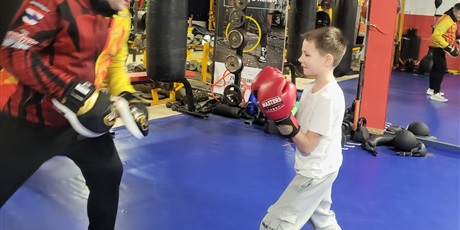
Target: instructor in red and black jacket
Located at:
point(55, 57)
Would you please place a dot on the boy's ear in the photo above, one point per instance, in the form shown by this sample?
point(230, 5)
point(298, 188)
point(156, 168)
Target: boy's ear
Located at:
point(329, 60)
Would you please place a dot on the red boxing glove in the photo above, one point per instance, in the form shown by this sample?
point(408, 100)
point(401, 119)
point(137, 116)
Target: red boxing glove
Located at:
point(277, 99)
point(267, 74)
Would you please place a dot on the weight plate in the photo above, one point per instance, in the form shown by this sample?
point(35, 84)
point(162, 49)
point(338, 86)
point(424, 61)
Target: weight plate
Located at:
point(212, 42)
point(237, 18)
point(237, 38)
point(322, 19)
point(210, 68)
point(138, 43)
point(207, 38)
point(240, 4)
point(233, 63)
point(139, 68)
point(326, 4)
point(233, 95)
point(190, 38)
point(130, 66)
point(193, 65)
point(198, 39)
point(168, 86)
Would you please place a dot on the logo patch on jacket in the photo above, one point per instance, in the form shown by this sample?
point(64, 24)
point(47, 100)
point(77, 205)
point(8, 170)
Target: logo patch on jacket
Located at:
point(18, 41)
point(32, 17)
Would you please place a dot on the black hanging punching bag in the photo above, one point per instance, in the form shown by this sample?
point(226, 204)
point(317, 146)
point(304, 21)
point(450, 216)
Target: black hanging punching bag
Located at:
point(437, 3)
point(302, 18)
point(426, 63)
point(344, 17)
point(166, 36)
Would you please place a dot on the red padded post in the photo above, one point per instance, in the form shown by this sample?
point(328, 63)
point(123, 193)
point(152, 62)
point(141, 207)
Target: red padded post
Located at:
point(378, 63)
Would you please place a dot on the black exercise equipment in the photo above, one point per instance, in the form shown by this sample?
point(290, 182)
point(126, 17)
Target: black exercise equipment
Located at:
point(419, 128)
point(404, 141)
point(302, 16)
point(409, 65)
point(344, 17)
point(233, 95)
point(353, 113)
point(427, 61)
point(227, 111)
point(241, 4)
point(270, 127)
point(322, 19)
point(437, 3)
point(347, 128)
point(418, 151)
point(292, 69)
point(326, 4)
point(237, 18)
point(166, 52)
point(361, 134)
point(356, 105)
point(371, 143)
point(344, 139)
point(410, 47)
point(418, 148)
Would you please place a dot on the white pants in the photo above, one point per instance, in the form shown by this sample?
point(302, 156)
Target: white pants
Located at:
point(304, 200)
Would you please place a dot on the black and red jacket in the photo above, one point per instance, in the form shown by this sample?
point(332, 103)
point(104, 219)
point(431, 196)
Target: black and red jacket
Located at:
point(52, 42)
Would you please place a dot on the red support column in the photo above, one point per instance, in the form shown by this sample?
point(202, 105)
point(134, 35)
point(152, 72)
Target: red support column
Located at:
point(378, 62)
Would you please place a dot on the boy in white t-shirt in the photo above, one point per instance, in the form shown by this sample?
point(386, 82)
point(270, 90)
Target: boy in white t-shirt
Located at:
point(316, 131)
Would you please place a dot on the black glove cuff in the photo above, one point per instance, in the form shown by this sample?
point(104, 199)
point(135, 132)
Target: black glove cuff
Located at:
point(287, 128)
point(449, 48)
point(76, 94)
point(294, 132)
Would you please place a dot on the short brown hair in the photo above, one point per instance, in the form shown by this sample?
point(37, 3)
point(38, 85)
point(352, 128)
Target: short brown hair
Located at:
point(328, 40)
point(457, 6)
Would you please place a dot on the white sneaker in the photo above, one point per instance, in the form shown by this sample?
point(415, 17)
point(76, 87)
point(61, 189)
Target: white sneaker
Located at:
point(431, 92)
point(438, 97)
point(263, 55)
point(262, 59)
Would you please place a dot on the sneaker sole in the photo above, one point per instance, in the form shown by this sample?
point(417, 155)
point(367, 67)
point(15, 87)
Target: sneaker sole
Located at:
point(431, 94)
point(438, 100)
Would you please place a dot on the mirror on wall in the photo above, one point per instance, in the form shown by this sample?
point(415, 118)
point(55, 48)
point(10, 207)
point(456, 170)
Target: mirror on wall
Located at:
point(249, 36)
